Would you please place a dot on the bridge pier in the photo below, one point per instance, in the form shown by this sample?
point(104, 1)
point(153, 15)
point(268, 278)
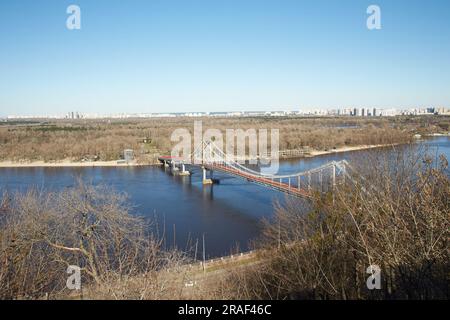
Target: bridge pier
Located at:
point(205, 181)
point(175, 169)
point(183, 171)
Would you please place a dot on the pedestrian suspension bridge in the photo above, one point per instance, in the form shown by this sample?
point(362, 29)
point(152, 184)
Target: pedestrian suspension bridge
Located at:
point(211, 158)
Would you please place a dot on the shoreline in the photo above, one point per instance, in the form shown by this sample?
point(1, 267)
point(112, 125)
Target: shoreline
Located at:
point(69, 164)
point(115, 163)
point(316, 153)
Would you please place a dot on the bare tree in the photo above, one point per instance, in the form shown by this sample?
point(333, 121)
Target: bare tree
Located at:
point(90, 227)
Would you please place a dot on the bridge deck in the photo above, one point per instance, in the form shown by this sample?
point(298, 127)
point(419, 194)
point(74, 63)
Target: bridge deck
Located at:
point(281, 186)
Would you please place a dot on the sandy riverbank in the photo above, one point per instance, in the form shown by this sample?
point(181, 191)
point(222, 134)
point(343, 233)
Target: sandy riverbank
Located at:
point(68, 163)
point(65, 163)
point(347, 149)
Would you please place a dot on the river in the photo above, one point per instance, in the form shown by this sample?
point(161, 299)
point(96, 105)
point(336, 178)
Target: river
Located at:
point(228, 214)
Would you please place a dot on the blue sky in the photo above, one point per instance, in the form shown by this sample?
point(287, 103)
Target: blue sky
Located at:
point(221, 55)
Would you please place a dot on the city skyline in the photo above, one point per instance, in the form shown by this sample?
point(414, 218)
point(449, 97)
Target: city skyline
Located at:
point(198, 56)
point(344, 111)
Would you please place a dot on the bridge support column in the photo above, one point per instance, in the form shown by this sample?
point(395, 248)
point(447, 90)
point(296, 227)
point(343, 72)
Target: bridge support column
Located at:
point(175, 169)
point(205, 181)
point(183, 171)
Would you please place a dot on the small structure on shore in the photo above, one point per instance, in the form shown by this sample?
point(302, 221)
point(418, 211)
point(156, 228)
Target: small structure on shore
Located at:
point(128, 155)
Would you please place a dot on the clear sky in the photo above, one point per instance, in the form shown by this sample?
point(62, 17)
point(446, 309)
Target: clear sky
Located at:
point(221, 55)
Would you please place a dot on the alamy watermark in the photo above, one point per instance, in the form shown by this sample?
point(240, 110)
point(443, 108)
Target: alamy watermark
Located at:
point(374, 20)
point(234, 148)
point(73, 21)
point(74, 280)
point(374, 280)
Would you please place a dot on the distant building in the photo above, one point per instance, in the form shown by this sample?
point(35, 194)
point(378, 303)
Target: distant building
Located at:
point(442, 110)
point(389, 112)
point(74, 115)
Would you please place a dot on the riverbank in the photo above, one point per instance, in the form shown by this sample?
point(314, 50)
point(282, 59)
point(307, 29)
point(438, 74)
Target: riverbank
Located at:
point(69, 163)
point(315, 153)
point(66, 163)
